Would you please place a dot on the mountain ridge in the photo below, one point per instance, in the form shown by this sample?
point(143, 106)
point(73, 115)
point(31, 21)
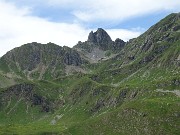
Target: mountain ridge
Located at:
point(127, 90)
point(99, 46)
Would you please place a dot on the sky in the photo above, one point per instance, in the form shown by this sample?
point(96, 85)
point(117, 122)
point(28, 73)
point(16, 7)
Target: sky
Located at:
point(65, 22)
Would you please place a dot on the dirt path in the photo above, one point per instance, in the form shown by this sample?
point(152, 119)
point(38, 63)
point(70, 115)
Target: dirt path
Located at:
point(56, 119)
point(176, 92)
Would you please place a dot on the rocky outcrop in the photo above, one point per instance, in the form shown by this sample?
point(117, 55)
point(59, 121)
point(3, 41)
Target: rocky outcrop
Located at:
point(99, 46)
point(37, 60)
point(30, 55)
point(99, 37)
point(99, 104)
point(72, 58)
point(20, 90)
point(41, 101)
point(153, 44)
point(119, 44)
point(26, 92)
point(92, 37)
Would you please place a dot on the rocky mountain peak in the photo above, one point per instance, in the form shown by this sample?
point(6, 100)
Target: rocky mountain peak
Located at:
point(99, 37)
point(39, 60)
point(98, 45)
point(119, 43)
point(91, 37)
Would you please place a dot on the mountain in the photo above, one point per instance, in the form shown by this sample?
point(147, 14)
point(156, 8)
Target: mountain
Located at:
point(41, 61)
point(99, 46)
point(97, 87)
point(156, 41)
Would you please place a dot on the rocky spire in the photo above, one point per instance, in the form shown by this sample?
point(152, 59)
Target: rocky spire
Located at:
point(92, 37)
point(99, 37)
point(119, 43)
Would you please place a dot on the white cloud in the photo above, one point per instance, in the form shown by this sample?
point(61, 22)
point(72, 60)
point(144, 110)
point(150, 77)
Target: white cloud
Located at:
point(18, 26)
point(113, 10)
point(123, 34)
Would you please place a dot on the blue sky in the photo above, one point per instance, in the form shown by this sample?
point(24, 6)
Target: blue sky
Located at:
point(65, 22)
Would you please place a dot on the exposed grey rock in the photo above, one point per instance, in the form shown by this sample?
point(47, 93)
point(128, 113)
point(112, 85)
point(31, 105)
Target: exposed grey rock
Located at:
point(176, 82)
point(119, 43)
point(176, 28)
point(122, 95)
point(147, 59)
point(42, 58)
point(98, 45)
point(133, 94)
point(72, 58)
point(92, 37)
point(131, 57)
point(99, 37)
point(26, 91)
point(99, 104)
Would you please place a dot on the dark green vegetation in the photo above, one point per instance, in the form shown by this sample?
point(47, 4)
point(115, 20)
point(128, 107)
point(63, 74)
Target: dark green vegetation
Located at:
point(98, 87)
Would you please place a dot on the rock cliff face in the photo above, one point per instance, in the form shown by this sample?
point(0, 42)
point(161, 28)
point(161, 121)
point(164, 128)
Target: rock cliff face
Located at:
point(100, 37)
point(38, 60)
point(71, 57)
point(104, 41)
point(119, 44)
point(152, 44)
point(25, 93)
point(98, 45)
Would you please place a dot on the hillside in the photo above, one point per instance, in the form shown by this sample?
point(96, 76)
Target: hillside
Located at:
point(41, 61)
point(99, 86)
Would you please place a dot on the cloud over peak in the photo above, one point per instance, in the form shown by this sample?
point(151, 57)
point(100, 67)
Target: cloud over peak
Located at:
point(22, 22)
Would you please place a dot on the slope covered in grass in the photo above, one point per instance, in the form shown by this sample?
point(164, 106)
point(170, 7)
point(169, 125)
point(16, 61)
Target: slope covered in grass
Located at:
point(134, 92)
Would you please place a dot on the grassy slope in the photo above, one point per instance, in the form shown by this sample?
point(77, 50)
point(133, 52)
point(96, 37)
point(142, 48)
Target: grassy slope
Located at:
point(131, 102)
point(147, 113)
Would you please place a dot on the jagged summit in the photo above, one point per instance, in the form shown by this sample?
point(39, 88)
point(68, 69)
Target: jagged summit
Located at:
point(99, 46)
point(101, 40)
point(99, 37)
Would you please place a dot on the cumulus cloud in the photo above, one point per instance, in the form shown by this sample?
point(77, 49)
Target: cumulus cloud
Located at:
point(113, 10)
point(19, 23)
point(123, 33)
point(18, 26)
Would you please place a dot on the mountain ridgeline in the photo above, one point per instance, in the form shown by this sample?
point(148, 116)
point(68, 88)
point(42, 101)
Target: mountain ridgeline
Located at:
point(99, 46)
point(99, 86)
point(102, 40)
point(35, 60)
